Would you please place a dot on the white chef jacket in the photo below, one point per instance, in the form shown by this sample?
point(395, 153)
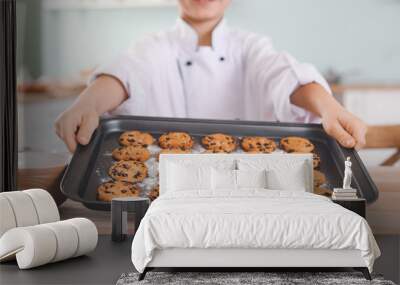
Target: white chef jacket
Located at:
point(241, 76)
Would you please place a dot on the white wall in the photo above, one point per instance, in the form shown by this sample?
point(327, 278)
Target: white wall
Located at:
point(358, 37)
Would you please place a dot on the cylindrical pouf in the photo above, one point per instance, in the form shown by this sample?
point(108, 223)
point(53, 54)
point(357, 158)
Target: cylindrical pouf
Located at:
point(7, 218)
point(23, 208)
point(33, 246)
point(67, 240)
point(87, 234)
point(45, 205)
point(37, 245)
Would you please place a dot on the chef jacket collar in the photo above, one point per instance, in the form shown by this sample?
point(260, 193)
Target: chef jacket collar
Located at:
point(189, 38)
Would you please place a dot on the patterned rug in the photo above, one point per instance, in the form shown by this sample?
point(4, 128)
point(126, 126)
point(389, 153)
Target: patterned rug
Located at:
point(268, 278)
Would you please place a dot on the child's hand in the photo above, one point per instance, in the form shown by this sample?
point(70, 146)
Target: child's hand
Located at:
point(346, 128)
point(76, 125)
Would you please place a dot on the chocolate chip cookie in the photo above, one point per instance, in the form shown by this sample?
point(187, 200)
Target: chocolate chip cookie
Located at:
point(258, 145)
point(215, 151)
point(296, 144)
point(114, 189)
point(136, 138)
point(316, 160)
point(218, 143)
point(323, 192)
point(319, 178)
point(176, 140)
point(154, 193)
point(131, 152)
point(128, 171)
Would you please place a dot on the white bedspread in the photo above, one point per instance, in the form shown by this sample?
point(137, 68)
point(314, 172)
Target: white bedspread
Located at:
point(250, 219)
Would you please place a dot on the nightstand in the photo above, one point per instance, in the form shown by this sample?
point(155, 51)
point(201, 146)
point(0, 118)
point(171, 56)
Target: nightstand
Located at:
point(357, 206)
point(120, 207)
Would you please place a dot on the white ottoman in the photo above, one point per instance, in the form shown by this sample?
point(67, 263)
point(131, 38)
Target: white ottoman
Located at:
point(37, 245)
point(31, 231)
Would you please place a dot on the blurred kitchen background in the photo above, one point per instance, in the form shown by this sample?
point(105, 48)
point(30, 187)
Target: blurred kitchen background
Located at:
point(356, 44)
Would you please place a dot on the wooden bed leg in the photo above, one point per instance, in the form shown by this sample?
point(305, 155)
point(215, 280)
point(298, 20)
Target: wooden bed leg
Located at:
point(143, 274)
point(365, 272)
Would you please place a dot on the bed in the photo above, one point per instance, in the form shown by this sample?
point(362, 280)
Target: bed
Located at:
point(247, 211)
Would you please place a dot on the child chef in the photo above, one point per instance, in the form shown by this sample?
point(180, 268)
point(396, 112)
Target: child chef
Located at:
point(202, 68)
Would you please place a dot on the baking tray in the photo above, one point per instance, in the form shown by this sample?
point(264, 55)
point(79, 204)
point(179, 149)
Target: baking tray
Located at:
point(89, 165)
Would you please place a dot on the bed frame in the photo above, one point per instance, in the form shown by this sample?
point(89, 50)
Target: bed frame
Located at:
point(249, 259)
point(237, 259)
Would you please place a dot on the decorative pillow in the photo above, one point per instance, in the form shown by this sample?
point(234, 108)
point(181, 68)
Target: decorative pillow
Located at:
point(291, 172)
point(251, 178)
point(181, 177)
point(292, 179)
point(223, 179)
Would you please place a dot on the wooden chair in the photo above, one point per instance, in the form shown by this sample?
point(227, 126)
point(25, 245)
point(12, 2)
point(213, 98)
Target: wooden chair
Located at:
point(384, 215)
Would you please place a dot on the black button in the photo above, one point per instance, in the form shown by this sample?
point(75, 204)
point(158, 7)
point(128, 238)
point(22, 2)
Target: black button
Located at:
point(222, 58)
point(189, 63)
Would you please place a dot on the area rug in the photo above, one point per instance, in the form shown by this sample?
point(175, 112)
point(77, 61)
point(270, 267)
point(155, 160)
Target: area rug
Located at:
point(268, 278)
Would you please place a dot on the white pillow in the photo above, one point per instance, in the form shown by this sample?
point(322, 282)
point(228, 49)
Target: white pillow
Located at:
point(291, 179)
point(251, 179)
point(223, 179)
point(284, 171)
point(184, 177)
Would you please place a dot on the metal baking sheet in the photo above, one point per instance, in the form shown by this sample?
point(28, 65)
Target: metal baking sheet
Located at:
point(89, 165)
